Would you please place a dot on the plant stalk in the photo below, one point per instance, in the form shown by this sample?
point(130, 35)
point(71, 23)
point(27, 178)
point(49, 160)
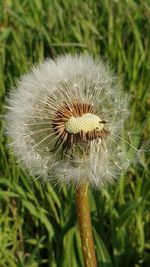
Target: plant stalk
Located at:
point(85, 226)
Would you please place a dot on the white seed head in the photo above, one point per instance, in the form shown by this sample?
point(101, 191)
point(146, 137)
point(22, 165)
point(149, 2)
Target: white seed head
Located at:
point(65, 119)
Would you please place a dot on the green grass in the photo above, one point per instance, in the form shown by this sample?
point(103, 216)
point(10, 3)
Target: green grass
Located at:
point(38, 225)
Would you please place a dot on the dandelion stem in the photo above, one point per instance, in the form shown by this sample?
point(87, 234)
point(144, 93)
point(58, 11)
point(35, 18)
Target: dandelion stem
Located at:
point(85, 226)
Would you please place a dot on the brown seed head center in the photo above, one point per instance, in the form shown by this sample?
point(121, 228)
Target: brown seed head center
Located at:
point(78, 123)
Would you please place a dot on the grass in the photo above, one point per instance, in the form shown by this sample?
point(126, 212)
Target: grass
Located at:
point(38, 225)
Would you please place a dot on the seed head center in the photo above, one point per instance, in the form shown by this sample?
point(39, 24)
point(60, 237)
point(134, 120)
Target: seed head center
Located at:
point(86, 123)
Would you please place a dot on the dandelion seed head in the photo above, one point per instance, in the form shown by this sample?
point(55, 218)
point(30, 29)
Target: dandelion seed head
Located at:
point(65, 119)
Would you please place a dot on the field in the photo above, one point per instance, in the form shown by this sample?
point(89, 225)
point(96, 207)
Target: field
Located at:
point(38, 224)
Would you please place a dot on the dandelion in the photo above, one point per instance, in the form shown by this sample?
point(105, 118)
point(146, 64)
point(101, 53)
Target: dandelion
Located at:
point(65, 119)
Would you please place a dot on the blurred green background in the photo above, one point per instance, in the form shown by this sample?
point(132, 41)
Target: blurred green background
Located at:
point(38, 224)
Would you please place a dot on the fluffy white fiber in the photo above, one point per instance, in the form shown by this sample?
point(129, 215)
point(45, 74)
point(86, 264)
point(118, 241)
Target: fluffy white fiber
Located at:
point(41, 93)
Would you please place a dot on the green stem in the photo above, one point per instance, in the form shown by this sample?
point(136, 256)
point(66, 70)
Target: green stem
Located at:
point(85, 226)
